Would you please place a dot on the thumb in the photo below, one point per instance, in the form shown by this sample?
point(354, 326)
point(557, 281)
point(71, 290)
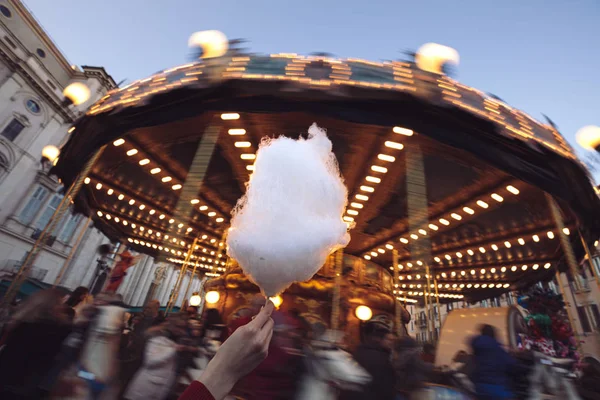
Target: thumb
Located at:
point(263, 316)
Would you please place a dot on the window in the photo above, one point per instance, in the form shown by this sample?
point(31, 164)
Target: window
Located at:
point(33, 106)
point(33, 205)
point(48, 212)
point(596, 314)
point(72, 221)
point(5, 11)
point(12, 130)
point(41, 53)
point(585, 322)
point(10, 42)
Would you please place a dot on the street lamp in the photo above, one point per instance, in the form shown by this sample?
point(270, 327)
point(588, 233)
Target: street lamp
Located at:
point(432, 57)
point(212, 297)
point(208, 44)
point(195, 300)
point(588, 137)
point(50, 155)
point(76, 93)
point(363, 313)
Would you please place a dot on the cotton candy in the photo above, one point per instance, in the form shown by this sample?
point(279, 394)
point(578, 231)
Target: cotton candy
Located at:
point(290, 218)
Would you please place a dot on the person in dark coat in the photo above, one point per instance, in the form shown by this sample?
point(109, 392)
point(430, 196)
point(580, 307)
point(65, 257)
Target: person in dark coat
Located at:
point(491, 366)
point(375, 358)
point(35, 336)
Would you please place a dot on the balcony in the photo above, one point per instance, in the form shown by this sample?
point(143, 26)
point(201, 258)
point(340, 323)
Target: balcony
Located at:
point(49, 240)
point(11, 267)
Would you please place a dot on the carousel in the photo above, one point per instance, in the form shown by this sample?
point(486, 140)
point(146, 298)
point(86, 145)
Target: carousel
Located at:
point(454, 195)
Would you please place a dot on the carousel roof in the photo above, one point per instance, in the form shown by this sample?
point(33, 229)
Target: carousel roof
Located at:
point(487, 165)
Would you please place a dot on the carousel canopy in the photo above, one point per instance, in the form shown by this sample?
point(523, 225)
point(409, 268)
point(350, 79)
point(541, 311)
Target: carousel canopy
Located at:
point(180, 145)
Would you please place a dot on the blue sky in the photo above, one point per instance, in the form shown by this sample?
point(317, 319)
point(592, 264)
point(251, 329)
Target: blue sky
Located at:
point(542, 56)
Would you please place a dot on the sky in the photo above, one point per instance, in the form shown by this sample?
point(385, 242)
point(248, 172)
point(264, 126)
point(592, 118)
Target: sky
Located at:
point(541, 56)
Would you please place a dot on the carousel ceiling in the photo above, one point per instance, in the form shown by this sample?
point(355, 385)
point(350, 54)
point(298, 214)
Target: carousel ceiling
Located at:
point(180, 147)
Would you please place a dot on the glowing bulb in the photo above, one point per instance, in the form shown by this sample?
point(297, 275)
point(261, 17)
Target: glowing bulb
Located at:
point(144, 161)
point(482, 204)
point(377, 168)
point(550, 235)
point(444, 221)
point(402, 131)
point(394, 145)
point(230, 116)
point(77, 92)
point(176, 187)
point(373, 179)
point(433, 227)
point(212, 297)
point(536, 238)
point(385, 157)
point(248, 156)
point(507, 244)
point(566, 231)
point(521, 241)
point(368, 189)
point(167, 179)
point(132, 152)
point(242, 144)
point(362, 197)
point(356, 205)
point(456, 216)
point(512, 189)
point(497, 197)
point(236, 132)
point(468, 210)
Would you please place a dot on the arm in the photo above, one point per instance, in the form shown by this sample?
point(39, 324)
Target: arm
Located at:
point(240, 354)
point(196, 391)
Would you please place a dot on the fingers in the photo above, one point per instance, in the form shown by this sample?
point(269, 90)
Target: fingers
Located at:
point(267, 331)
point(263, 316)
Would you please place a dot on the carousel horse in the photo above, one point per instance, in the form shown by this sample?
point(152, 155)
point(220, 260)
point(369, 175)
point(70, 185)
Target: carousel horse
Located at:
point(330, 369)
point(555, 374)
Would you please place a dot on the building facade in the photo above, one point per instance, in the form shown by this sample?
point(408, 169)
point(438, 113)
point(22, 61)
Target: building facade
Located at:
point(33, 74)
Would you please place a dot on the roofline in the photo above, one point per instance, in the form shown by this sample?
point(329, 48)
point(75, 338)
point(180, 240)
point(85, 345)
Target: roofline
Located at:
point(28, 16)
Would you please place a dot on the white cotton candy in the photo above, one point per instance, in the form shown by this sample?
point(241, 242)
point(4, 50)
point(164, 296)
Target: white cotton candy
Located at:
point(290, 218)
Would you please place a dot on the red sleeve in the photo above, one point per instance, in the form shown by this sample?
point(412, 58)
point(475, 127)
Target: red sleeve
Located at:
point(196, 391)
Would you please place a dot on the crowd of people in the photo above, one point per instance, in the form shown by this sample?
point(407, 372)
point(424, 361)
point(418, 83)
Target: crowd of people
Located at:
point(77, 347)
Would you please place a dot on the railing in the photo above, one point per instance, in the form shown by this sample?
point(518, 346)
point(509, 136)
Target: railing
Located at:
point(12, 267)
point(49, 240)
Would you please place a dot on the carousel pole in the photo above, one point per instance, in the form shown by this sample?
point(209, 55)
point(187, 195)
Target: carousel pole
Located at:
point(418, 212)
point(187, 289)
point(437, 298)
point(183, 271)
point(427, 313)
point(193, 182)
point(397, 305)
point(564, 240)
point(72, 252)
point(39, 244)
point(570, 315)
point(589, 256)
point(335, 306)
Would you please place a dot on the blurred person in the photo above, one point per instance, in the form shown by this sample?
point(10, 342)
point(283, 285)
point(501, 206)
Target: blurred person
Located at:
point(156, 377)
point(75, 299)
point(36, 332)
point(96, 372)
point(491, 366)
point(376, 360)
point(411, 371)
point(213, 326)
point(241, 353)
point(389, 341)
point(428, 353)
point(133, 350)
